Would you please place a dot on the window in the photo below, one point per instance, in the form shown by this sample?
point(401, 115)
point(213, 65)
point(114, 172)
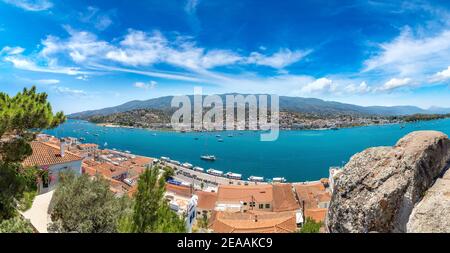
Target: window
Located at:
point(261, 206)
point(245, 203)
point(267, 206)
point(252, 204)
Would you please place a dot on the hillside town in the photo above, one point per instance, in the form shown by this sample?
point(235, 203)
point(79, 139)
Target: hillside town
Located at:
point(288, 120)
point(222, 205)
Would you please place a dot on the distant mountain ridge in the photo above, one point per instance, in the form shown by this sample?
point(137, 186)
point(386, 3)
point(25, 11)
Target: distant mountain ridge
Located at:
point(293, 104)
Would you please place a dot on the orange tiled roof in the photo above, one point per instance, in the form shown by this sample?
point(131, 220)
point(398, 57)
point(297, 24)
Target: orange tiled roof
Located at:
point(317, 214)
point(109, 170)
point(45, 154)
point(226, 222)
point(284, 198)
point(257, 193)
point(179, 190)
point(206, 200)
point(309, 193)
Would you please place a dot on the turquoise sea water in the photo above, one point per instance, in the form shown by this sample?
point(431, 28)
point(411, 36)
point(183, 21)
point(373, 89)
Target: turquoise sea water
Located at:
point(296, 155)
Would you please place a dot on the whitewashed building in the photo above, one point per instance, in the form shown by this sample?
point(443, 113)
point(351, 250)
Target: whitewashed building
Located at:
point(53, 159)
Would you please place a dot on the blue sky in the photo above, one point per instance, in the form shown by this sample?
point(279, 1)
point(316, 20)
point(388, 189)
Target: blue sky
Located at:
point(94, 54)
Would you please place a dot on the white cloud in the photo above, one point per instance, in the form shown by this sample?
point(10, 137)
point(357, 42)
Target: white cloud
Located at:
point(11, 50)
point(82, 77)
point(396, 83)
point(321, 85)
point(26, 64)
point(362, 88)
point(31, 5)
point(441, 75)
point(81, 46)
point(410, 54)
point(281, 59)
point(191, 6)
point(69, 91)
point(47, 81)
point(100, 20)
point(146, 86)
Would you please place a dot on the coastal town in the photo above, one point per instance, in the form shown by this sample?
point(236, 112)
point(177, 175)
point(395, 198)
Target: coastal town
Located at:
point(288, 120)
point(221, 202)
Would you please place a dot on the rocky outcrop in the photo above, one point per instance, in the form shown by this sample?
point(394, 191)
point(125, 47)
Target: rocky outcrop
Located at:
point(432, 213)
point(378, 188)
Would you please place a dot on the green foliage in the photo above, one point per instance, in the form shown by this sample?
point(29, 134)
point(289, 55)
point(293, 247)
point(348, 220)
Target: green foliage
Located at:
point(168, 172)
point(85, 205)
point(11, 188)
point(311, 226)
point(151, 212)
point(27, 200)
point(16, 225)
point(20, 117)
point(203, 222)
point(424, 117)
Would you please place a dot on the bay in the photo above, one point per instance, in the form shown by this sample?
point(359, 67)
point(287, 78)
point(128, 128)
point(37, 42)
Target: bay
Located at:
point(296, 155)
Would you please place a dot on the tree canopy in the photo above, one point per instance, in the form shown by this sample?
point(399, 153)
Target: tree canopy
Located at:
point(21, 116)
point(151, 212)
point(85, 205)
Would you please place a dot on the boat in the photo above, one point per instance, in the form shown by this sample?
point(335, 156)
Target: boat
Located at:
point(165, 159)
point(256, 179)
point(154, 134)
point(218, 136)
point(230, 135)
point(196, 138)
point(96, 134)
point(278, 180)
point(187, 165)
point(232, 175)
point(215, 172)
point(208, 157)
point(220, 140)
point(82, 139)
point(199, 169)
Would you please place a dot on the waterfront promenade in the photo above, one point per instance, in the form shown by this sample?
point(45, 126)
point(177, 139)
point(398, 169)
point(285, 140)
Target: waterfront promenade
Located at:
point(196, 178)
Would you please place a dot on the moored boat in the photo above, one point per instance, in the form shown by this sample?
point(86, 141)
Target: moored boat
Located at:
point(208, 157)
point(256, 179)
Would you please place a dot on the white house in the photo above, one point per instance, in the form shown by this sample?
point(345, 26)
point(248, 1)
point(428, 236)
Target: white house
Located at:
point(53, 159)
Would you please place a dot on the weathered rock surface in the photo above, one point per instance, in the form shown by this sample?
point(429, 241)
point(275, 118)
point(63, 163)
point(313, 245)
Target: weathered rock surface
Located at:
point(432, 213)
point(378, 188)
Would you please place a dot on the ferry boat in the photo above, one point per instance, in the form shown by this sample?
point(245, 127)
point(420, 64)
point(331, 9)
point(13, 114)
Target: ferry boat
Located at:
point(208, 157)
point(199, 169)
point(278, 180)
point(175, 162)
point(232, 175)
point(187, 165)
point(256, 179)
point(165, 159)
point(215, 172)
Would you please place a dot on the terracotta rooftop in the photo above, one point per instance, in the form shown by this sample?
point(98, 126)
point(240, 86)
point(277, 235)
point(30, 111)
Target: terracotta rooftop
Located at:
point(179, 190)
point(206, 200)
point(284, 198)
point(87, 145)
point(226, 222)
point(317, 214)
point(106, 169)
point(309, 193)
point(45, 154)
point(233, 193)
